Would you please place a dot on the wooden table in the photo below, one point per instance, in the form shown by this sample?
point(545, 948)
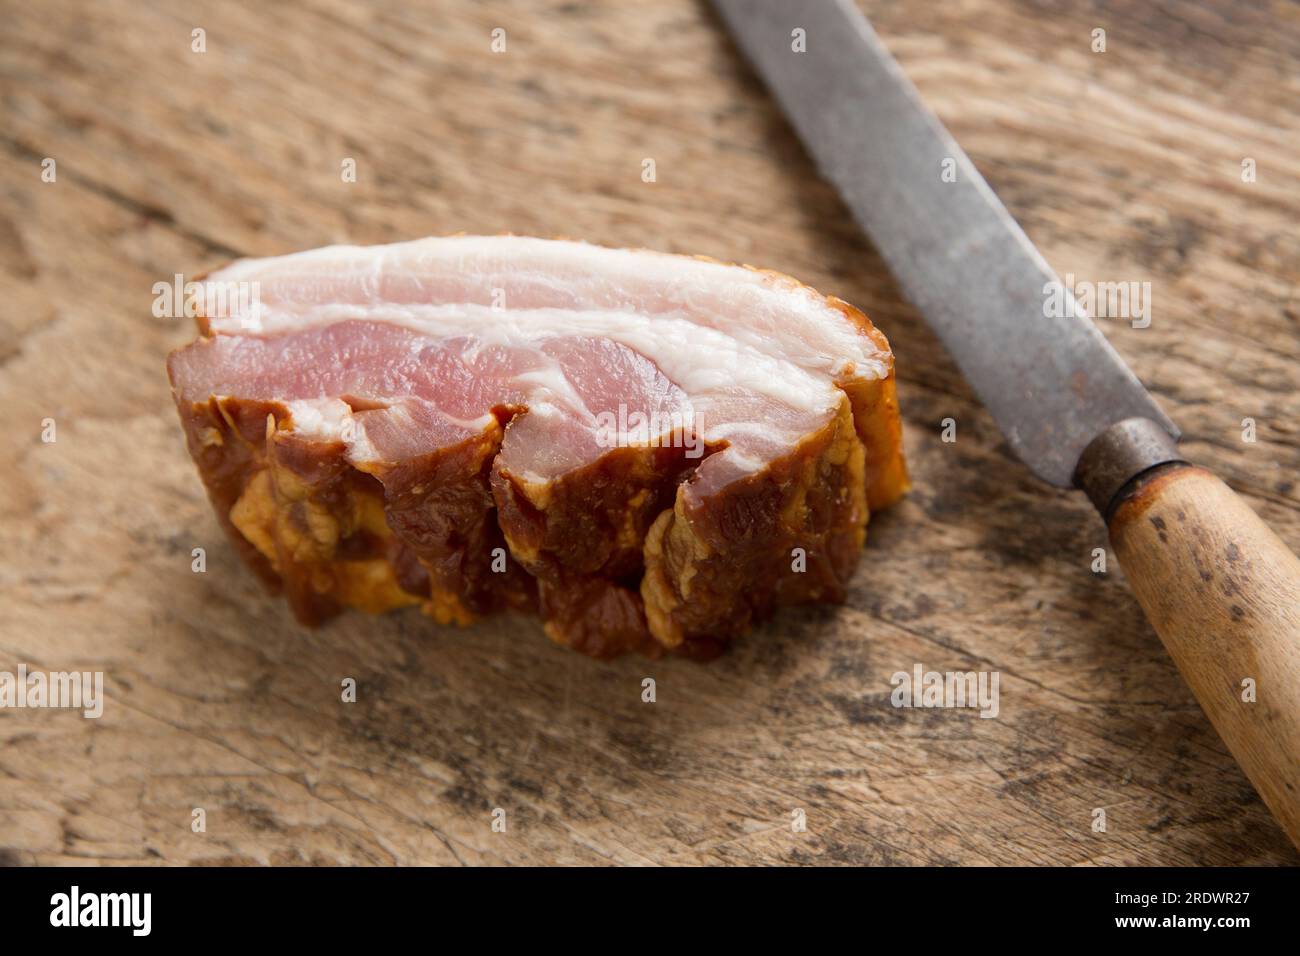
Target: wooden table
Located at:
point(1123, 166)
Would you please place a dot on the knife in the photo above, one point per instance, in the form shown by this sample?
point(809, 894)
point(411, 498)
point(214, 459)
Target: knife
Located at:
point(1219, 587)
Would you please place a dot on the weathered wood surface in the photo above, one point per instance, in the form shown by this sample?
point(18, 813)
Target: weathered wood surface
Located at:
point(1124, 165)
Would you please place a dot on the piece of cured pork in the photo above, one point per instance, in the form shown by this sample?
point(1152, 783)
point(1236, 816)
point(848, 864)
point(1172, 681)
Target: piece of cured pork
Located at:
point(652, 451)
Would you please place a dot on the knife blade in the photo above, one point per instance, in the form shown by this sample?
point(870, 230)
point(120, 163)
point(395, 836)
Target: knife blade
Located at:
point(956, 252)
point(1219, 587)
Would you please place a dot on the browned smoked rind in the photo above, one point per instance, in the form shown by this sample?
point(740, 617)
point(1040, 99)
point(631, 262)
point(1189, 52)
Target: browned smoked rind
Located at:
point(310, 524)
point(582, 536)
point(440, 507)
point(877, 420)
point(789, 534)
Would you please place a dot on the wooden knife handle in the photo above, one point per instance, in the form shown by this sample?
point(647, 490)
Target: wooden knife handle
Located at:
point(1223, 593)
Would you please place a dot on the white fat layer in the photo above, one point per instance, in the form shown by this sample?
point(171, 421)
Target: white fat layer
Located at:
point(548, 385)
point(472, 424)
point(332, 419)
point(716, 331)
point(770, 314)
point(321, 419)
point(698, 360)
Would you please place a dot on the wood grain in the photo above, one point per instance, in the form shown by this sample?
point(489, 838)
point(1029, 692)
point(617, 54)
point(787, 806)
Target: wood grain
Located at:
point(1121, 166)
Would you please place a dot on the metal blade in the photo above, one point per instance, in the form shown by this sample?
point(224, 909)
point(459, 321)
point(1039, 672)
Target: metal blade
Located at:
point(1052, 382)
